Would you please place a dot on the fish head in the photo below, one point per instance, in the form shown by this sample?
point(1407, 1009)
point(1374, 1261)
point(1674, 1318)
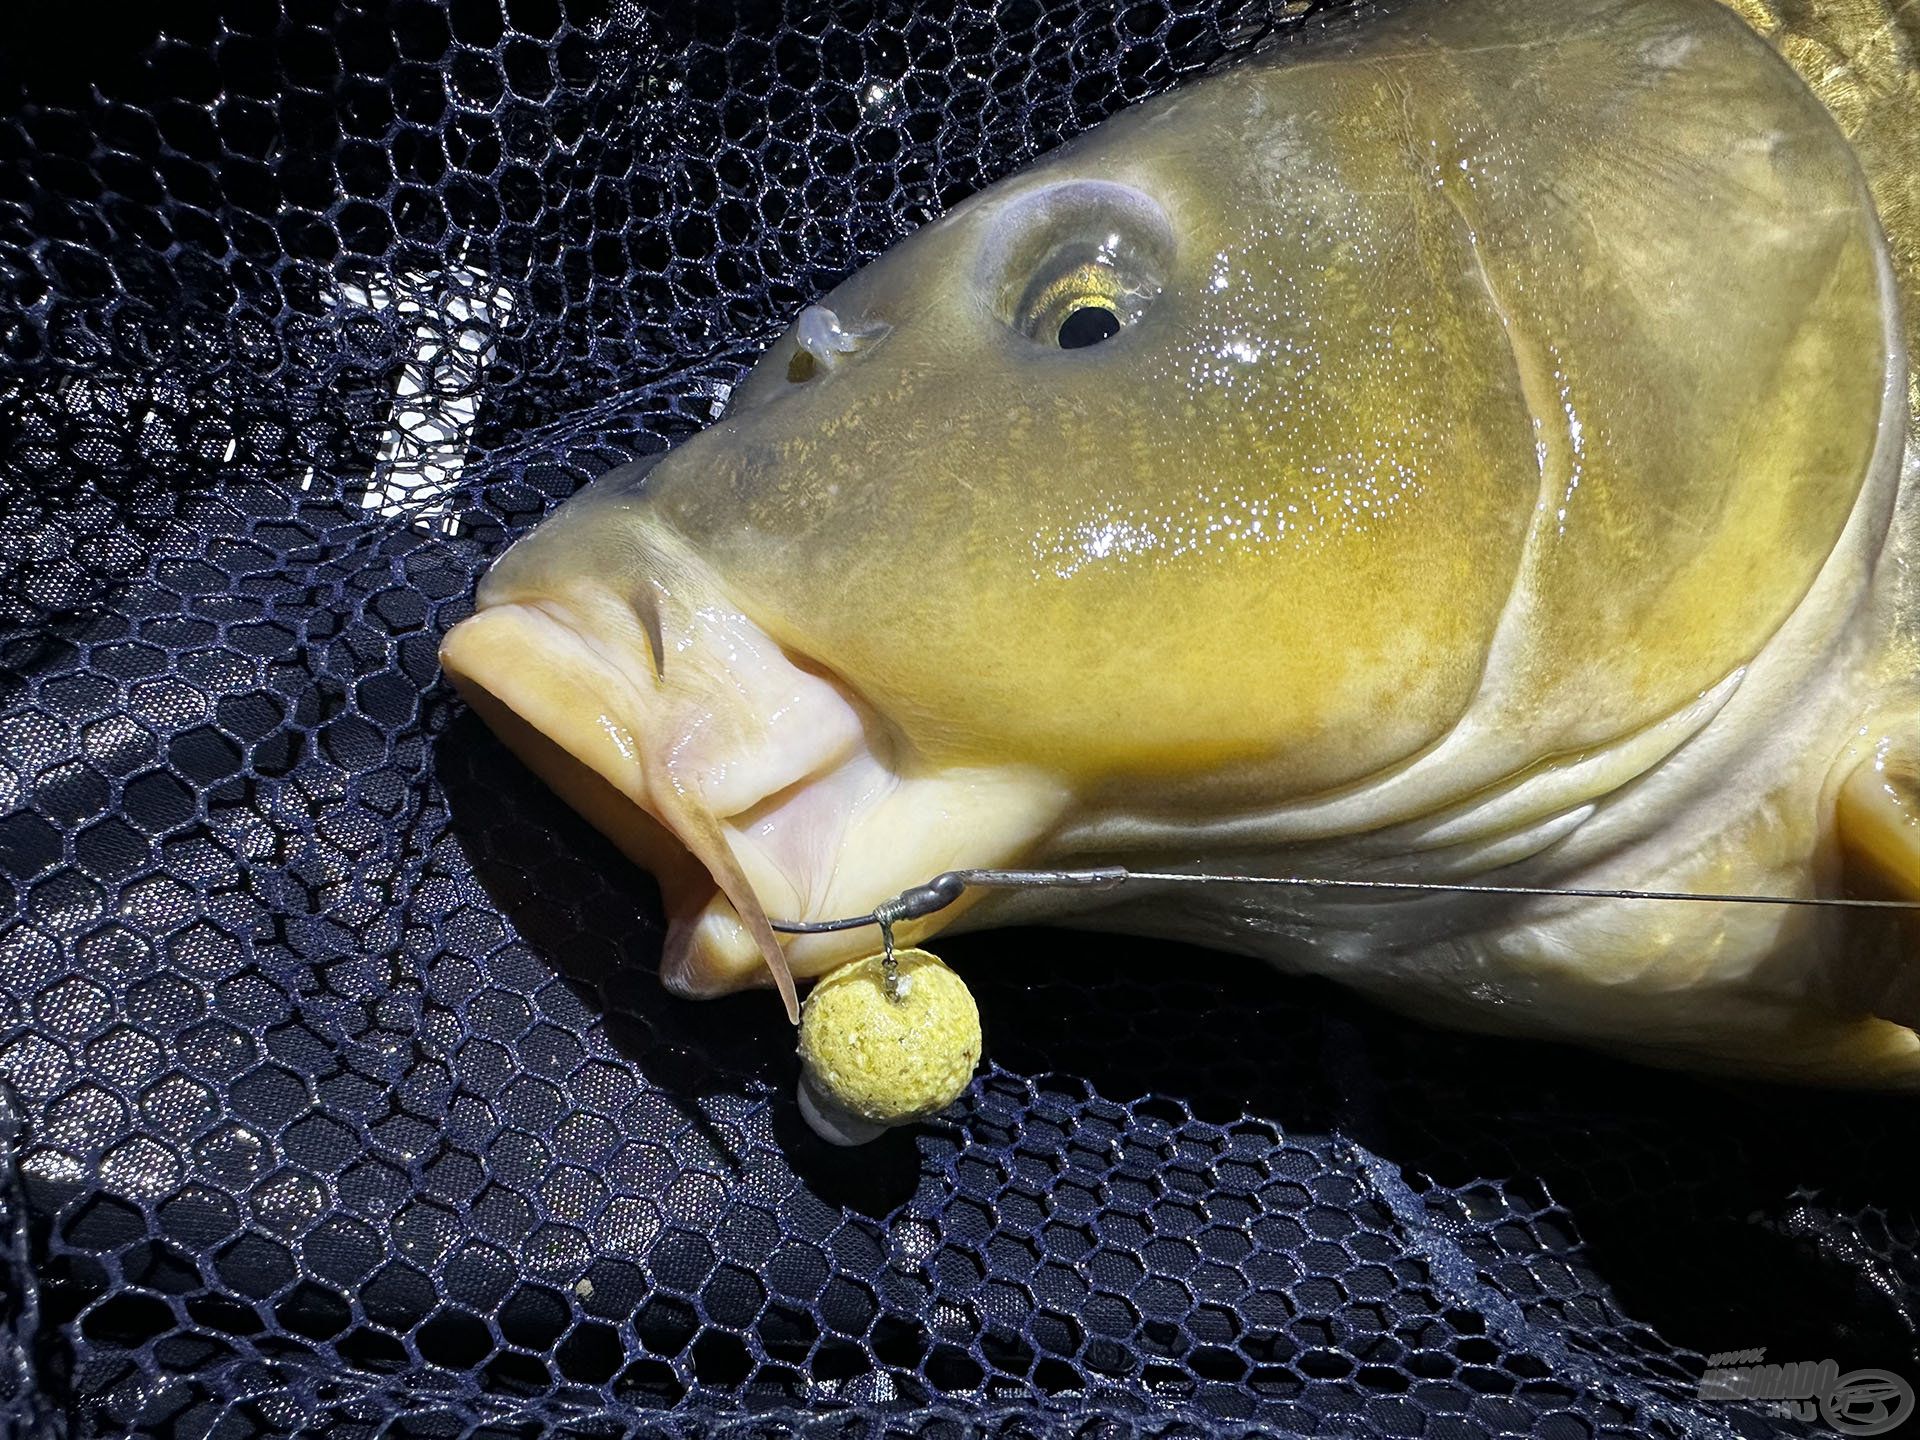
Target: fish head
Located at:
point(1234, 454)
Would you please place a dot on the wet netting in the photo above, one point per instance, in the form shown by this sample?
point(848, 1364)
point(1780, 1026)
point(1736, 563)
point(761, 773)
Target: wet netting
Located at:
point(339, 1093)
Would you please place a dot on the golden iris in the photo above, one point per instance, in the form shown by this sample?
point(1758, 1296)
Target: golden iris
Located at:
point(1092, 285)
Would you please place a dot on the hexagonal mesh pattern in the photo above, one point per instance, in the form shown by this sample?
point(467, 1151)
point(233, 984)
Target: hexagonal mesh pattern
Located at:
point(339, 1094)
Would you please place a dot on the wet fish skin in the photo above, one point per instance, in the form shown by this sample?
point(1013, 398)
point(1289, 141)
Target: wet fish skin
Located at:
point(1494, 478)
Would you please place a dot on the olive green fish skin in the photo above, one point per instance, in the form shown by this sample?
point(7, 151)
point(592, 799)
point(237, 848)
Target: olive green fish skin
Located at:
point(1494, 482)
point(1315, 464)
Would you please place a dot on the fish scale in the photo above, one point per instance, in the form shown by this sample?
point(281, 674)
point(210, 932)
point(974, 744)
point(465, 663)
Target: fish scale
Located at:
point(1862, 58)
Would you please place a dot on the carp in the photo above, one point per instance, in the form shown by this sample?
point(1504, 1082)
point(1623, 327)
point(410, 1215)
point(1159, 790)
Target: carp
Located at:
point(1473, 444)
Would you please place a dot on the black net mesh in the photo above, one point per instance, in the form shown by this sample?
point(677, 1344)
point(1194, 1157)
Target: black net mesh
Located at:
point(339, 1094)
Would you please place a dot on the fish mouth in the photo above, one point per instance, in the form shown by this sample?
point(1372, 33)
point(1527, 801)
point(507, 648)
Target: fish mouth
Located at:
point(753, 785)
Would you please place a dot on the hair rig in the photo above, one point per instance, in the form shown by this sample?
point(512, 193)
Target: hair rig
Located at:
point(941, 891)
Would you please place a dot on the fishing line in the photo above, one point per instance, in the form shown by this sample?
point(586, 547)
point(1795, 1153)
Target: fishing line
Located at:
point(920, 900)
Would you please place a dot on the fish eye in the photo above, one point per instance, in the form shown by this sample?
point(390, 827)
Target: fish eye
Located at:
point(1083, 294)
point(1077, 305)
point(1076, 263)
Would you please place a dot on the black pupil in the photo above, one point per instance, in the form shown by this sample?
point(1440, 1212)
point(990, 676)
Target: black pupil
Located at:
point(1088, 325)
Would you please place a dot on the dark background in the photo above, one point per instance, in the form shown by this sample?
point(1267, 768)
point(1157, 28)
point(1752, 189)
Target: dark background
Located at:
point(339, 1091)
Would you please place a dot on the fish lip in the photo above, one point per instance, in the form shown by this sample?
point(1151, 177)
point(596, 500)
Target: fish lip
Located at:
point(622, 702)
point(736, 778)
point(500, 660)
point(580, 697)
point(569, 690)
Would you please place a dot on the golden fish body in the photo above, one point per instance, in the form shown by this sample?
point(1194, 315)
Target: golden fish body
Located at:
point(1473, 446)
